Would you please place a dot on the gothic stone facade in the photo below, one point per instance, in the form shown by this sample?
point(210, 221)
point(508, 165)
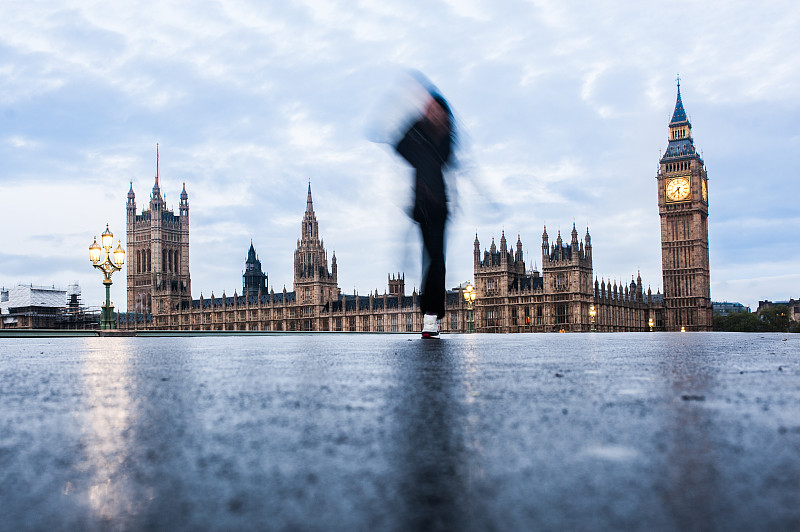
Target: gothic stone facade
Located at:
point(315, 304)
point(561, 297)
point(510, 298)
point(158, 254)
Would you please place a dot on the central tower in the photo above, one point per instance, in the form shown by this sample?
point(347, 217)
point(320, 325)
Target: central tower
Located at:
point(683, 208)
point(158, 251)
point(314, 284)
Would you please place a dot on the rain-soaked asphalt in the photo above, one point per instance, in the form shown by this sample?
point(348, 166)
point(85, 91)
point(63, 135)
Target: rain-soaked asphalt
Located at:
point(389, 432)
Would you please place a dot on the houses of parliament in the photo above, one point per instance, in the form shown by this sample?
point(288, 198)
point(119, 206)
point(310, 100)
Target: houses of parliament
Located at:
point(565, 295)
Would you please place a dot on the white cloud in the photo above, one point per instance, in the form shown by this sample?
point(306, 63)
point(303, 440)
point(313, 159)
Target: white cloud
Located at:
point(19, 141)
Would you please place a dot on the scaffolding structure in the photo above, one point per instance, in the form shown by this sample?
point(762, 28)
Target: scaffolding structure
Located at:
point(41, 307)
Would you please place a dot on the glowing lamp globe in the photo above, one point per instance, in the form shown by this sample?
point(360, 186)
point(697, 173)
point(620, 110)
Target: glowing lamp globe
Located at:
point(94, 252)
point(469, 293)
point(119, 254)
point(108, 238)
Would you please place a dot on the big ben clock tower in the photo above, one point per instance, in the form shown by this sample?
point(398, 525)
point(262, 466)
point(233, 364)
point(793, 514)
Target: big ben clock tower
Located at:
point(683, 207)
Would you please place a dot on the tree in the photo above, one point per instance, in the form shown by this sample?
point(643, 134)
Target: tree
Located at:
point(738, 322)
point(775, 318)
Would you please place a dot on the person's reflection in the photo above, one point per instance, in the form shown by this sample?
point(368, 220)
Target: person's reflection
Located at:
point(428, 439)
point(691, 478)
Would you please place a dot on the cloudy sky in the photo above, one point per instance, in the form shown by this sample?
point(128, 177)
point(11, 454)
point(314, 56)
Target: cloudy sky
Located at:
point(563, 105)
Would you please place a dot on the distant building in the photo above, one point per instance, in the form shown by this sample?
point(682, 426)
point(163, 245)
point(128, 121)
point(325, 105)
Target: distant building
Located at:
point(723, 308)
point(31, 307)
point(560, 298)
point(792, 304)
point(509, 297)
point(42, 307)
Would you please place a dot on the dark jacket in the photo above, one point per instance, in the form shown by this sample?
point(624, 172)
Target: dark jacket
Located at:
point(427, 156)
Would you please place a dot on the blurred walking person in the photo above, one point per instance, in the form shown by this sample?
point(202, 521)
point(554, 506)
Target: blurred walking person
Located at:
point(428, 147)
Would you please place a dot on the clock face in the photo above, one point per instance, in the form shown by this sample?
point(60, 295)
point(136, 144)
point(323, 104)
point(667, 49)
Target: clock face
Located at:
point(704, 190)
point(678, 188)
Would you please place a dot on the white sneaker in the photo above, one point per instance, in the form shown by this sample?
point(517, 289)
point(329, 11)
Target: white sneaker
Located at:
point(430, 326)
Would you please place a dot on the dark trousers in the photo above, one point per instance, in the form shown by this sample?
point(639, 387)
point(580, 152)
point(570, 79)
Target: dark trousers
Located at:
point(433, 290)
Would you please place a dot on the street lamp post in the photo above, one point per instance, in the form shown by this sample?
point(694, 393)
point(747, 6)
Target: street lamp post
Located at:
point(107, 267)
point(650, 323)
point(469, 297)
point(592, 314)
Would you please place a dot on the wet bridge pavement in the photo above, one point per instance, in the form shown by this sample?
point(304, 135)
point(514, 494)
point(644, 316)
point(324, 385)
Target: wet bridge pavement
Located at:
point(388, 432)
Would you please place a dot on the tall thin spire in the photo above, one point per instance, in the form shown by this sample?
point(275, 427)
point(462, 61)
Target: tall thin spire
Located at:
point(309, 201)
point(679, 114)
point(156, 189)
